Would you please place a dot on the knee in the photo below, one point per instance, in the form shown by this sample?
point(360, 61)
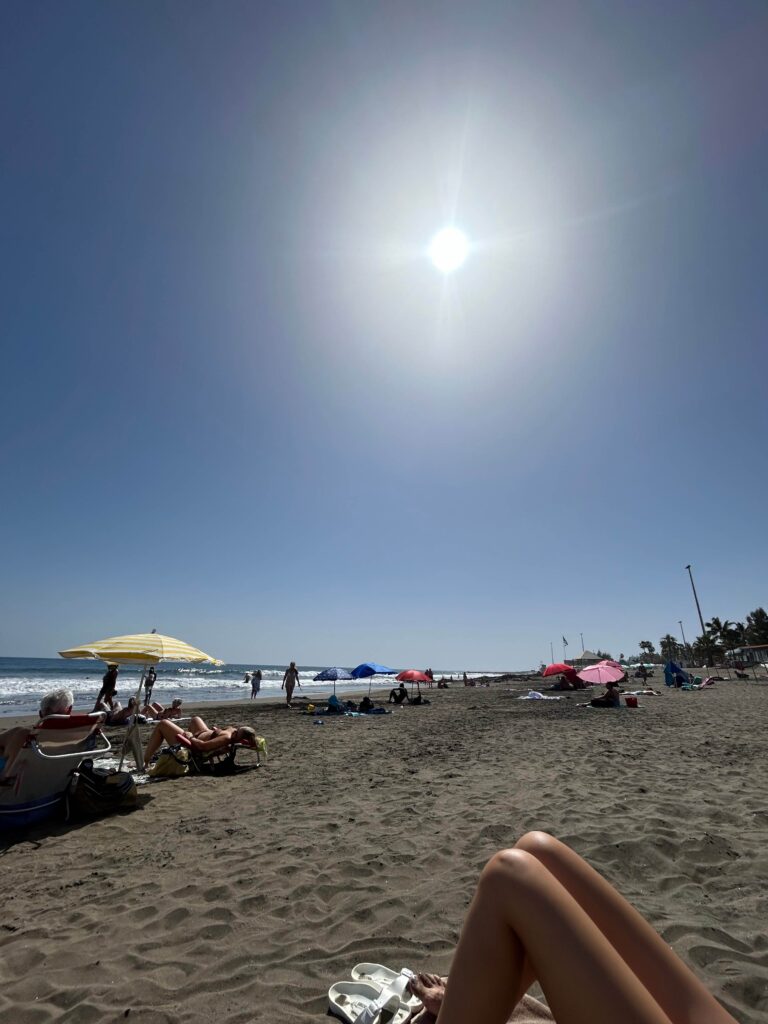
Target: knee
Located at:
point(508, 868)
point(540, 844)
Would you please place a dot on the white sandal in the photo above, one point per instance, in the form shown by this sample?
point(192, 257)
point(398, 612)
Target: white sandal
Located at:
point(385, 977)
point(360, 1002)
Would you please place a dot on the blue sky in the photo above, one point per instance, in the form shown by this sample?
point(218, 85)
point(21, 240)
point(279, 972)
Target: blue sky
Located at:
point(240, 404)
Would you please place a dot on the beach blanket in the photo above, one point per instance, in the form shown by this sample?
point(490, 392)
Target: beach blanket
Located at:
point(535, 695)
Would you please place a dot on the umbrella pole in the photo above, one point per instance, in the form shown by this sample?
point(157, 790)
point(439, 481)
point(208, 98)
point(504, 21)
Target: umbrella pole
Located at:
point(132, 741)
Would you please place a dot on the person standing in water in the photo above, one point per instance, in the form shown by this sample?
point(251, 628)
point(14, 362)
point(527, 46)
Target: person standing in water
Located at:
point(255, 683)
point(290, 679)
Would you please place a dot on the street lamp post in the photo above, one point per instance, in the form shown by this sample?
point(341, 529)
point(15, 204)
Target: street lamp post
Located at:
point(698, 609)
point(682, 633)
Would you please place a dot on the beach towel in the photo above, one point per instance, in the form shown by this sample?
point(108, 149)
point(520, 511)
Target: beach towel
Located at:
point(530, 1010)
point(527, 1011)
point(535, 695)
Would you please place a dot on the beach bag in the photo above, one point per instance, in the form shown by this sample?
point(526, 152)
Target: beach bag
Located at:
point(97, 791)
point(171, 763)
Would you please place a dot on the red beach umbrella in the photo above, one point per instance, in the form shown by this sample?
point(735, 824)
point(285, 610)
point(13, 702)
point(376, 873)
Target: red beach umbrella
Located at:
point(412, 675)
point(559, 669)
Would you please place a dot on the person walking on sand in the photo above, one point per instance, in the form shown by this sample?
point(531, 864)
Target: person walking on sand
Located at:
point(149, 684)
point(255, 683)
point(108, 686)
point(290, 680)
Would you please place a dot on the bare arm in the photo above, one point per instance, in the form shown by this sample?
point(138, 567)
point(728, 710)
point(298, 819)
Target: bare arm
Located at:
point(216, 743)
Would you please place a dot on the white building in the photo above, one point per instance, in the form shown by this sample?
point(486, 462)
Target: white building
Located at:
point(755, 654)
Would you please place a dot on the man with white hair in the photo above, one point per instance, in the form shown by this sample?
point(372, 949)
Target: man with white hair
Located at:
point(57, 702)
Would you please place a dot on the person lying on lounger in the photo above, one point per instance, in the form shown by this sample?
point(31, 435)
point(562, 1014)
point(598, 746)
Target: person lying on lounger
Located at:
point(531, 903)
point(125, 715)
point(156, 710)
point(203, 738)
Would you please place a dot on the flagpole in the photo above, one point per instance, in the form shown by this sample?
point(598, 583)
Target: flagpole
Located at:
point(551, 653)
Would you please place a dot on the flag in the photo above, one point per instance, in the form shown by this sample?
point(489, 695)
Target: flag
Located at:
point(565, 642)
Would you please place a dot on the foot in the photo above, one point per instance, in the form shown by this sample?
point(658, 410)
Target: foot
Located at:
point(430, 989)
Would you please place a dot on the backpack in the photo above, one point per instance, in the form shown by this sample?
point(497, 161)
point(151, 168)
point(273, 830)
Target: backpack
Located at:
point(96, 791)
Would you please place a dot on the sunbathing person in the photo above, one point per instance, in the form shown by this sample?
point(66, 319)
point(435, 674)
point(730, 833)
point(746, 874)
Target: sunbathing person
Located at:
point(533, 902)
point(122, 716)
point(158, 711)
point(202, 737)
point(610, 699)
point(398, 694)
point(55, 702)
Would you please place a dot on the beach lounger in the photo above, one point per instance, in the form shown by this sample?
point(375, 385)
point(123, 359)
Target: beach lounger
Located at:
point(37, 780)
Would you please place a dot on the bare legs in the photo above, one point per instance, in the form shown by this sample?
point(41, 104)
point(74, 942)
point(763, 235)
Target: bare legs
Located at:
point(164, 731)
point(540, 912)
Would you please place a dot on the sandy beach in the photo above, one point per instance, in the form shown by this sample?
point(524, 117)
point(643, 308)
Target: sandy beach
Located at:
point(242, 899)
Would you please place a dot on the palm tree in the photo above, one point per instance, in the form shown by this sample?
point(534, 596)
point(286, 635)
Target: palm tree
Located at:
point(756, 631)
point(732, 635)
point(719, 632)
point(669, 647)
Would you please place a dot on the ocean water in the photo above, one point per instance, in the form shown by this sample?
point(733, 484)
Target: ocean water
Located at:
point(23, 681)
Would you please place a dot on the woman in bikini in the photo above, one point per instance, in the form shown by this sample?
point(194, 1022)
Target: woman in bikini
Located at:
point(532, 903)
point(202, 737)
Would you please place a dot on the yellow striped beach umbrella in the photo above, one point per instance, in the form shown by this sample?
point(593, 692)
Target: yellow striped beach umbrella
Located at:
point(140, 649)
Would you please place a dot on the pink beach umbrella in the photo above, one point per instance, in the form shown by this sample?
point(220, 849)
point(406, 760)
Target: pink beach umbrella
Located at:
point(611, 662)
point(601, 673)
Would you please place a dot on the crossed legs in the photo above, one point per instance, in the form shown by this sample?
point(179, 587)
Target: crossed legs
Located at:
point(542, 913)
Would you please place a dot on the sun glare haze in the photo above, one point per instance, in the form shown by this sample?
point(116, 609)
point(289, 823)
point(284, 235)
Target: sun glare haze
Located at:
point(448, 249)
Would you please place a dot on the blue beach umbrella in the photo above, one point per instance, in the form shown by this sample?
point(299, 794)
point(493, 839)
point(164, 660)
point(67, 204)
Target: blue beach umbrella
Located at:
point(332, 674)
point(371, 669)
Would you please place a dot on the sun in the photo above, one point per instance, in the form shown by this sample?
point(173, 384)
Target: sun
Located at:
point(448, 250)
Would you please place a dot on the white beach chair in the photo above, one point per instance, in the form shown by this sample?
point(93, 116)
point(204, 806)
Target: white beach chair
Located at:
point(33, 786)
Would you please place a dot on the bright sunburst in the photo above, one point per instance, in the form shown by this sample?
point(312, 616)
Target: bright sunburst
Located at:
point(448, 249)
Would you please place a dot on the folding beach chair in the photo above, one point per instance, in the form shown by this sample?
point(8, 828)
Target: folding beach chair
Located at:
point(221, 762)
point(35, 783)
